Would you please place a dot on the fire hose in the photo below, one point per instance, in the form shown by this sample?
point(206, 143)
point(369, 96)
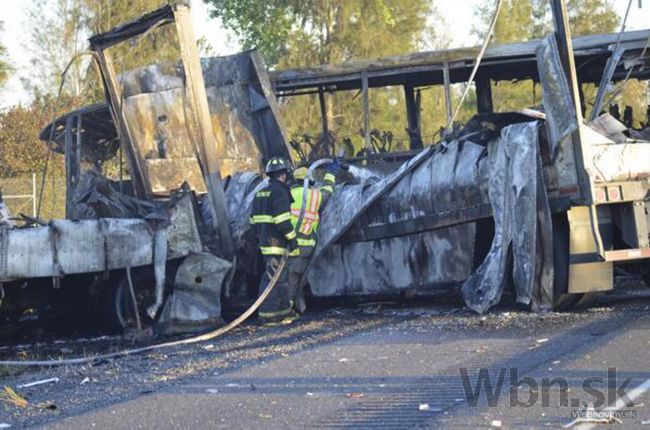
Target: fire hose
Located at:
point(195, 339)
point(201, 338)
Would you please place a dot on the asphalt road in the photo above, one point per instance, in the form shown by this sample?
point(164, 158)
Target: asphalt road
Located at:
point(405, 370)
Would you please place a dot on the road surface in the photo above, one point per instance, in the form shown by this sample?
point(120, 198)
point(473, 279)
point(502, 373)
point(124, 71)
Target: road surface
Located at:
point(383, 366)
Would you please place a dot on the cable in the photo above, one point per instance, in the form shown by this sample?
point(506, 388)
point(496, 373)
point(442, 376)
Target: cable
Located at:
point(477, 63)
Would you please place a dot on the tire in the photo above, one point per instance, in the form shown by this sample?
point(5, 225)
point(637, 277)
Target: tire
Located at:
point(587, 300)
point(117, 305)
point(562, 301)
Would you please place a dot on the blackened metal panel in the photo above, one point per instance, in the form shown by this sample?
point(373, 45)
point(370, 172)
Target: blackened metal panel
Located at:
point(560, 109)
point(513, 186)
point(133, 28)
point(420, 261)
point(242, 97)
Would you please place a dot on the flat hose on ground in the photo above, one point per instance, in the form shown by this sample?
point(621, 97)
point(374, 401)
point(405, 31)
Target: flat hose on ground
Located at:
point(201, 338)
point(195, 339)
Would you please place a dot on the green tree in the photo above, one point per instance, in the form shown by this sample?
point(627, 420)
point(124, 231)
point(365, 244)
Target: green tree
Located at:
point(522, 20)
point(5, 67)
point(301, 33)
point(592, 17)
point(56, 34)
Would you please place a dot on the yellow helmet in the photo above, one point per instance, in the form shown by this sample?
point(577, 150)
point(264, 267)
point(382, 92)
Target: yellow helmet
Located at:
point(300, 173)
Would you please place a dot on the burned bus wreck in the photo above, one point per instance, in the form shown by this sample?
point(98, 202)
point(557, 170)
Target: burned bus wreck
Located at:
point(539, 194)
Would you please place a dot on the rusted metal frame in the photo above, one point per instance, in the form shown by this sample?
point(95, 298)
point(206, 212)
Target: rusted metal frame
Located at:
point(114, 92)
point(484, 103)
point(447, 83)
point(366, 112)
point(323, 110)
point(205, 136)
point(413, 117)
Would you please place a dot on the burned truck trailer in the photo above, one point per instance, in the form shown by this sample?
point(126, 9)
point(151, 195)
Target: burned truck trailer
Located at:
point(539, 194)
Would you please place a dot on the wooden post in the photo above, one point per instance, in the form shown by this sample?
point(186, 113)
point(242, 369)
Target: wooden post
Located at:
point(447, 81)
point(206, 138)
point(412, 117)
point(366, 112)
point(484, 95)
point(323, 109)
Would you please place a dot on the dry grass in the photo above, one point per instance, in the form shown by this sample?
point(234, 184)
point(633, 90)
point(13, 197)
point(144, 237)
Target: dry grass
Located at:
point(9, 396)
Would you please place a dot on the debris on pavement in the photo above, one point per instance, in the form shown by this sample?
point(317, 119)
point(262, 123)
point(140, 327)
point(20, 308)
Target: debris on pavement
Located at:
point(40, 382)
point(496, 423)
point(580, 420)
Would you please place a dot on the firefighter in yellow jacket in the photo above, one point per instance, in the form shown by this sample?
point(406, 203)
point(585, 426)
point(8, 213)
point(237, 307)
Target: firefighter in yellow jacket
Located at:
point(306, 234)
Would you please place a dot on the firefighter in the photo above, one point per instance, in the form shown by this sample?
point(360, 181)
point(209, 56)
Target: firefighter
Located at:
point(316, 199)
point(271, 218)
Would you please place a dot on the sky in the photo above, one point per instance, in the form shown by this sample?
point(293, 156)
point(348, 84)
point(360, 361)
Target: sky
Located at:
point(454, 13)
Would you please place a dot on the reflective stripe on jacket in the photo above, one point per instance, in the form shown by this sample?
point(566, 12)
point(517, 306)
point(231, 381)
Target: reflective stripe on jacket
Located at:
point(271, 217)
point(316, 198)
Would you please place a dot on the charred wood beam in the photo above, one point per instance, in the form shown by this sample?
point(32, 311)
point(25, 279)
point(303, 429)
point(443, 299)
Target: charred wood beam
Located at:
point(413, 118)
point(206, 138)
point(72, 166)
point(323, 110)
point(447, 83)
point(484, 95)
point(366, 112)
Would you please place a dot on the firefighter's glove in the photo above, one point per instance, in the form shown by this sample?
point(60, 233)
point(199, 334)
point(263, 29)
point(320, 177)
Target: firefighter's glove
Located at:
point(334, 167)
point(293, 247)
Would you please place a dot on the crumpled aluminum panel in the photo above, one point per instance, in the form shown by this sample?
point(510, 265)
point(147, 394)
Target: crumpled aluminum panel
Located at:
point(195, 302)
point(441, 182)
point(86, 246)
point(513, 182)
